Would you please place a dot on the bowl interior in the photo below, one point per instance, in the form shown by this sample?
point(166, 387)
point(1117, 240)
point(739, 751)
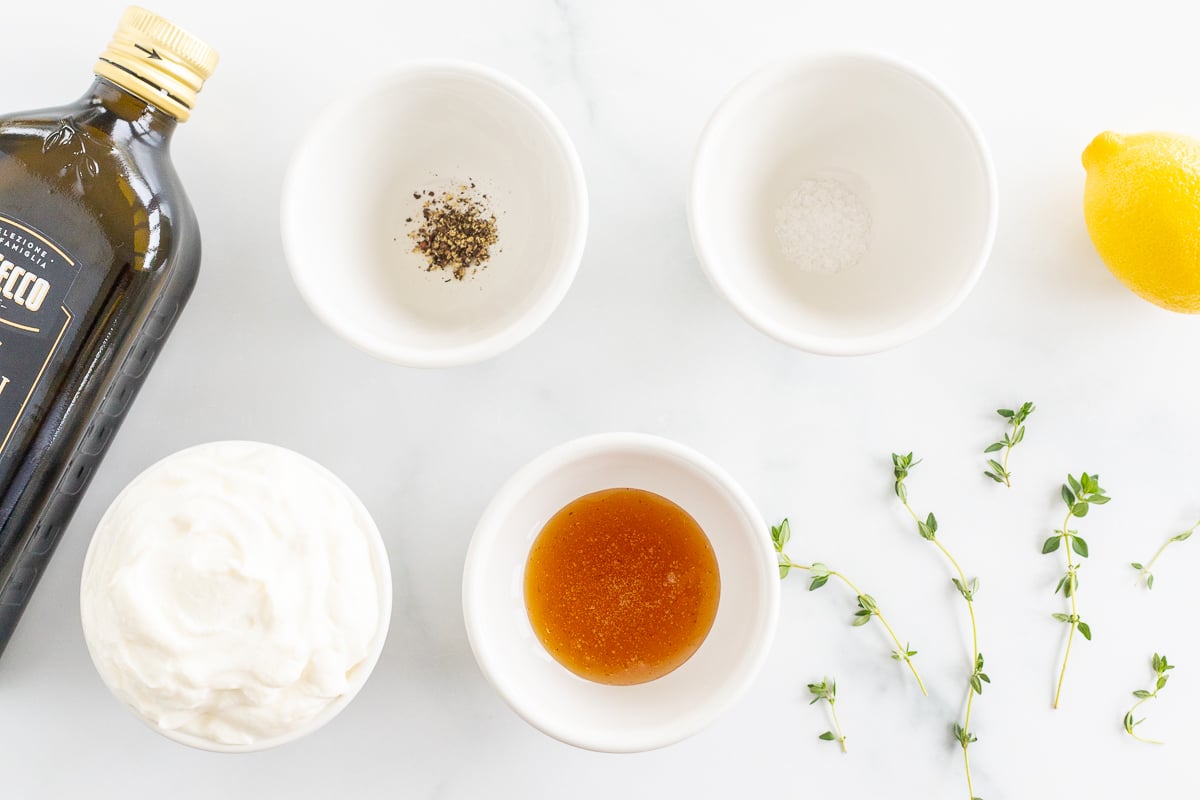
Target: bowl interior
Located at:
point(891, 137)
point(619, 718)
point(357, 677)
point(351, 191)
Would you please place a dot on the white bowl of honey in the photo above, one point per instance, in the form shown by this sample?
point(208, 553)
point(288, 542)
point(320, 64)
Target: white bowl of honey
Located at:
point(620, 592)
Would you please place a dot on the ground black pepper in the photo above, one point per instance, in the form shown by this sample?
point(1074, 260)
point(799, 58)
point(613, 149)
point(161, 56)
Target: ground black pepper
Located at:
point(456, 232)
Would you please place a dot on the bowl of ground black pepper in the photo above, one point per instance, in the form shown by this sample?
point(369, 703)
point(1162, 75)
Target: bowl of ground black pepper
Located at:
point(436, 217)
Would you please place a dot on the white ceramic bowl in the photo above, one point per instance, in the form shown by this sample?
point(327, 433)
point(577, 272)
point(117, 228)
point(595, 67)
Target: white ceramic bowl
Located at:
point(896, 138)
point(620, 719)
point(433, 126)
point(361, 672)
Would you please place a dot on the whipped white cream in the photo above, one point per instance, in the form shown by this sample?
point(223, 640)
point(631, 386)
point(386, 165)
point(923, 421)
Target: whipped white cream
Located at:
point(231, 592)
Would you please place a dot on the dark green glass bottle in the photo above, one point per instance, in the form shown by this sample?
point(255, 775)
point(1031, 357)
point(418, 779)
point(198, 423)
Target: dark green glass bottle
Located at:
point(99, 251)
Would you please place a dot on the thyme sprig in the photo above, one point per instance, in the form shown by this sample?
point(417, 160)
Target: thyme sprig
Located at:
point(1079, 496)
point(1144, 573)
point(819, 575)
point(1161, 667)
point(927, 528)
point(1012, 437)
point(827, 690)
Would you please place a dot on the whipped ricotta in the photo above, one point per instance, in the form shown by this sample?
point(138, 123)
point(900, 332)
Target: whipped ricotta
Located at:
point(233, 592)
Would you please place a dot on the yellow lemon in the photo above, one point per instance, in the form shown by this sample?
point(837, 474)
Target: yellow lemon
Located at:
point(1142, 206)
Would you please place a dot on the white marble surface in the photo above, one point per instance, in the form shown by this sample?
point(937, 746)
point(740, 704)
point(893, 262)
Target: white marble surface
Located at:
point(643, 343)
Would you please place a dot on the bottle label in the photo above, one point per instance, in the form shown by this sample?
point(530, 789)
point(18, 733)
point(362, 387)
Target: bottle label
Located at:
point(35, 276)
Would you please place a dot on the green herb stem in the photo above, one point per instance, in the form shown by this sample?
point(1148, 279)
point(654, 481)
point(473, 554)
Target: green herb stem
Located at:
point(1007, 474)
point(1144, 571)
point(1007, 452)
point(826, 690)
point(1074, 610)
point(962, 576)
point(967, 588)
point(1133, 732)
point(1161, 667)
point(970, 601)
point(883, 620)
point(1016, 419)
point(868, 607)
point(1080, 496)
point(837, 726)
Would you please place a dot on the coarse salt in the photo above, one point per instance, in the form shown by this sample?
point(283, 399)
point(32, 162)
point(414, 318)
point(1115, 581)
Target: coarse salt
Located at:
point(823, 226)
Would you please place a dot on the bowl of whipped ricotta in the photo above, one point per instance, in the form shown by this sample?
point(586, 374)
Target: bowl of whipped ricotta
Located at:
point(236, 596)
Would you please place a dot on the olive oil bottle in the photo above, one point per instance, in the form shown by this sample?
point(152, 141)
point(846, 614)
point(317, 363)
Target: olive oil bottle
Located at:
point(99, 250)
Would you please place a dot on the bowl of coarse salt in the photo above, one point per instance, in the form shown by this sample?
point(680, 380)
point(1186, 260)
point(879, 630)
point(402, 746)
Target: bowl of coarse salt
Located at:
point(843, 204)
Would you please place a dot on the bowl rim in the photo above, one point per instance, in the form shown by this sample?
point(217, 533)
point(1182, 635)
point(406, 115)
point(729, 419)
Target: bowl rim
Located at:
point(727, 286)
point(487, 532)
point(546, 302)
point(383, 572)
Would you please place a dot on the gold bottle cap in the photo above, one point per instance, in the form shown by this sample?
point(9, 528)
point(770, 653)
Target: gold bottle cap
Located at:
point(162, 64)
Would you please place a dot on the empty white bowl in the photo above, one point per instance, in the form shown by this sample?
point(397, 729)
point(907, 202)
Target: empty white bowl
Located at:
point(433, 126)
point(890, 134)
point(595, 716)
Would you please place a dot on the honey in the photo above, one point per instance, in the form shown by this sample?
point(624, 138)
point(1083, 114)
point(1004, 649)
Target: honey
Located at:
point(622, 586)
